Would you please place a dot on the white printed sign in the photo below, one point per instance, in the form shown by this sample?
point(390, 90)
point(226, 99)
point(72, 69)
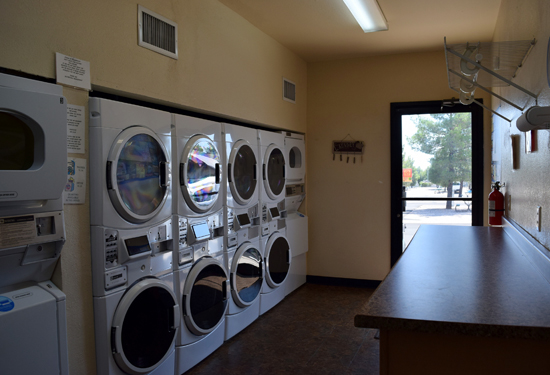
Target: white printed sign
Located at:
point(75, 188)
point(75, 129)
point(72, 72)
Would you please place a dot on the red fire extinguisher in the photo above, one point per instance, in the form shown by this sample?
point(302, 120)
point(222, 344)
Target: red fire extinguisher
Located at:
point(496, 205)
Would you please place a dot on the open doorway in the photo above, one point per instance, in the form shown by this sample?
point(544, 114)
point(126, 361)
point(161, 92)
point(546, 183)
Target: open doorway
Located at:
point(437, 167)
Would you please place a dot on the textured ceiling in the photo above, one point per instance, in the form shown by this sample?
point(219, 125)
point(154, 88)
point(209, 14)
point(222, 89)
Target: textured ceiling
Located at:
point(319, 30)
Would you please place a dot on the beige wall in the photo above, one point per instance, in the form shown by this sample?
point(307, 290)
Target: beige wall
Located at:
point(349, 204)
point(528, 185)
point(226, 66)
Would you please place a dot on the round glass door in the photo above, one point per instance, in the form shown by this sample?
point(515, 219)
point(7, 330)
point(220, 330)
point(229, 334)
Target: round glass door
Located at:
point(246, 275)
point(144, 326)
point(138, 174)
point(277, 260)
point(275, 172)
point(205, 296)
point(17, 144)
point(200, 173)
point(242, 164)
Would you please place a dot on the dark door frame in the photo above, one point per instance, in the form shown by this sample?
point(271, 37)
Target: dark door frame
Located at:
point(417, 108)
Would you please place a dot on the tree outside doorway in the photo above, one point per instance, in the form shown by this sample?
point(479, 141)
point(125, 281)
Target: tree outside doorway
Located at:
point(447, 137)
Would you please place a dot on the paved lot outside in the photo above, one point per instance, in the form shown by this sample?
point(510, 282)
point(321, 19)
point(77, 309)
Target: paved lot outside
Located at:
point(430, 212)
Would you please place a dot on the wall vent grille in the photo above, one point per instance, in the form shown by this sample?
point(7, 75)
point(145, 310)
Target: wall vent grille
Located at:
point(157, 33)
point(289, 91)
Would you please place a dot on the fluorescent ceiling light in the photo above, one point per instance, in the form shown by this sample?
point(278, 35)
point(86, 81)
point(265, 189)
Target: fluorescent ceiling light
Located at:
point(368, 14)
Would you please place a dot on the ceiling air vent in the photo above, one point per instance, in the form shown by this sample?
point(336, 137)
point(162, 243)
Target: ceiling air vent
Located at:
point(289, 91)
point(157, 33)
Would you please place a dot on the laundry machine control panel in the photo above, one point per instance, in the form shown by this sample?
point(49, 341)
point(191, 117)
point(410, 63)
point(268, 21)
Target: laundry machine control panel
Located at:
point(122, 256)
point(120, 249)
point(238, 219)
point(297, 189)
point(242, 225)
point(182, 233)
point(272, 212)
point(273, 217)
point(196, 236)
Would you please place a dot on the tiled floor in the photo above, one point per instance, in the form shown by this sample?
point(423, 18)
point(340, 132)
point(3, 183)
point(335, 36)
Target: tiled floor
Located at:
point(309, 332)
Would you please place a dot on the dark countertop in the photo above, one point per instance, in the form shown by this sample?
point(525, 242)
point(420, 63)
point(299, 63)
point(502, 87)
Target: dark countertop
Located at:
point(459, 279)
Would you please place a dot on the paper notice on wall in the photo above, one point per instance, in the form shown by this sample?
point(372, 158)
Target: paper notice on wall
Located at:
point(72, 72)
point(75, 129)
point(75, 188)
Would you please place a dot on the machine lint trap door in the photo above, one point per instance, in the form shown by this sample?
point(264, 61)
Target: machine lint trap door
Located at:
point(144, 327)
point(295, 154)
point(246, 275)
point(274, 172)
point(205, 296)
point(138, 174)
point(277, 260)
point(33, 146)
point(241, 167)
point(200, 173)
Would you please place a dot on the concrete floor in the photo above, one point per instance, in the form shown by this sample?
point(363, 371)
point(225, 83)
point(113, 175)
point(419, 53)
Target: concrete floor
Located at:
point(310, 332)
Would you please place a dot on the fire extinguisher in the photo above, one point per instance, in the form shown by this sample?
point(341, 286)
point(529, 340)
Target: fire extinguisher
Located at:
point(496, 205)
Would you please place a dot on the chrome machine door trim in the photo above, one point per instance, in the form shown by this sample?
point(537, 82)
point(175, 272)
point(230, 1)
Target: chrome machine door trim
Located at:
point(189, 298)
point(123, 331)
point(208, 183)
point(275, 264)
point(248, 181)
point(235, 291)
point(156, 169)
point(274, 172)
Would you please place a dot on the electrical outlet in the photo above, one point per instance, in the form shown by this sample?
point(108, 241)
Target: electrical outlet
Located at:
point(539, 226)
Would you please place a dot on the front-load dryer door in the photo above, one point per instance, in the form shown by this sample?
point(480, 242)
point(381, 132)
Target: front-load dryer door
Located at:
point(277, 260)
point(295, 153)
point(274, 172)
point(33, 146)
point(205, 296)
point(246, 275)
point(241, 171)
point(138, 174)
point(200, 173)
point(144, 326)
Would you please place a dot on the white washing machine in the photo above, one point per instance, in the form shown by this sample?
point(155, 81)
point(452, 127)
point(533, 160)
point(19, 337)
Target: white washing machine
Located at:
point(246, 274)
point(272, 196)
point(33, 330)
point(295, 154)
point(130, 171)
point(203, 292)
point(242, 186)
point(277, 256)
point(296, 222)
point(136, 311)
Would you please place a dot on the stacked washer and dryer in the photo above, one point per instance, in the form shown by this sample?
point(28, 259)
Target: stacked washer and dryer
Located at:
point(274, 245)
point(189, 234)
point(243, 255)
point(296, 222)
point(137, 313)
point(33, 328)
point(202, 283)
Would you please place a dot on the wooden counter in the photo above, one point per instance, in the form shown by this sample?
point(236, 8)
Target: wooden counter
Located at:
point(462, 300)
